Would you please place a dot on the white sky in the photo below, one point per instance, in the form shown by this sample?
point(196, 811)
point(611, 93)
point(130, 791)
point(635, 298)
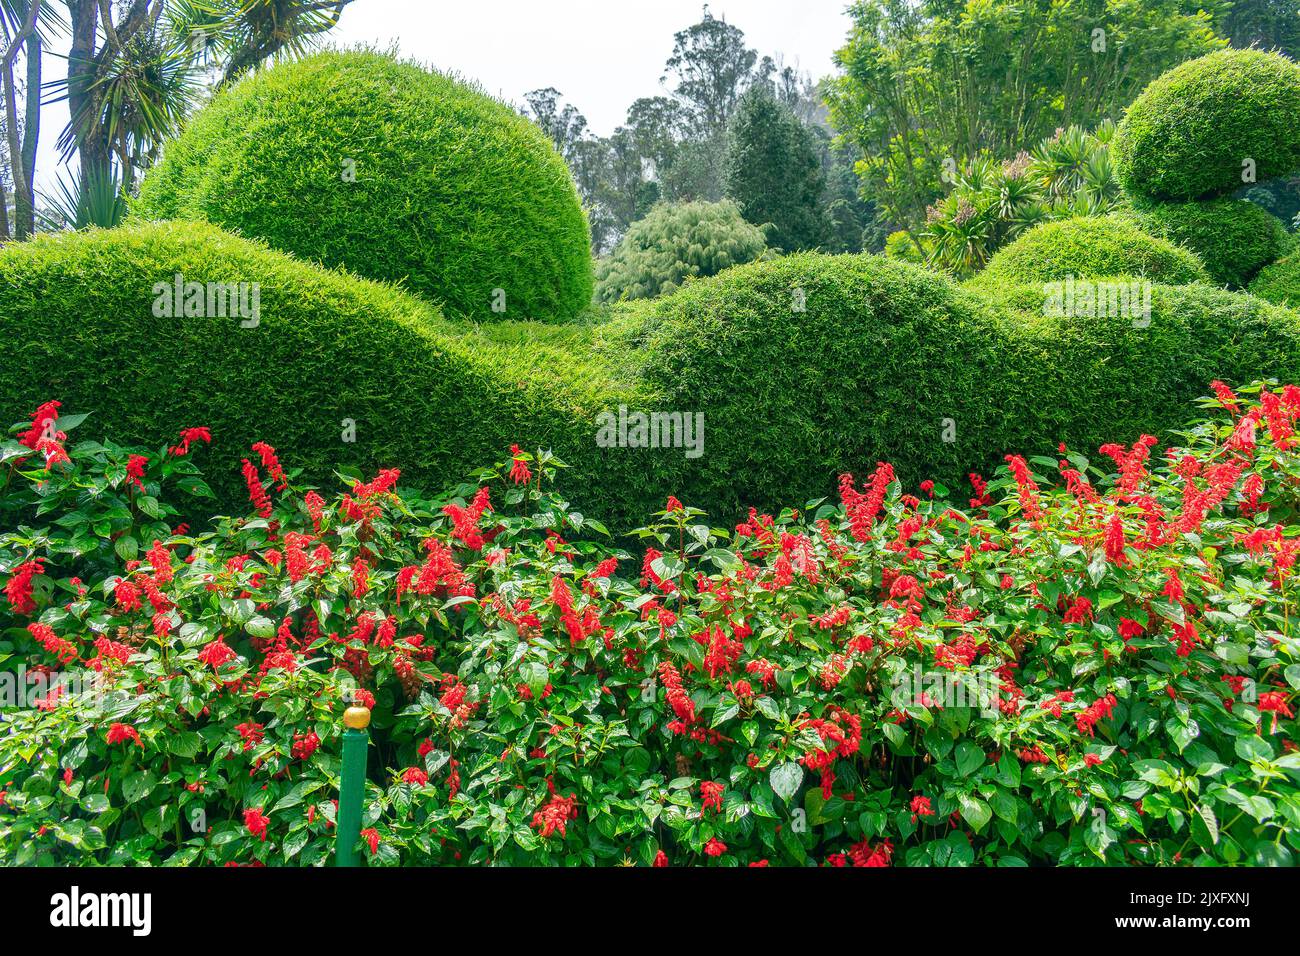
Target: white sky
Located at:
point(601, 54)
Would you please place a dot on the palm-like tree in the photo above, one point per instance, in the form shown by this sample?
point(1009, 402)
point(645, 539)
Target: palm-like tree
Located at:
point(241, 34)
point(991, 203)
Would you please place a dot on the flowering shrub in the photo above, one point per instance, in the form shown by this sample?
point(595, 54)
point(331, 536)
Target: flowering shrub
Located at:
point(1092, 669)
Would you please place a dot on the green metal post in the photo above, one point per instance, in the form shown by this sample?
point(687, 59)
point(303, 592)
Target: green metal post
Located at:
point(352, 786)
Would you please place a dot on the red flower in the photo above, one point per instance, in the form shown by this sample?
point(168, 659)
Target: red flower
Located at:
point(1115, 539)
point(256, 493)
point(43, 420)
point(555, 814)
point(272, 464)
point(304, 745)
point(921, 807)
point(711, 793)
point(216, 653)
point(715, 847)
point(661, 860)
point(371, 836)
point(18, 590)
point(519, 472)
point(415, 776)
point(121, 733)
point(256, 822)
point(188, 436)
point(135, 470)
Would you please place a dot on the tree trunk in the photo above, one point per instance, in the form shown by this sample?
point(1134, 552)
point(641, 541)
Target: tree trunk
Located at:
point(25, 206)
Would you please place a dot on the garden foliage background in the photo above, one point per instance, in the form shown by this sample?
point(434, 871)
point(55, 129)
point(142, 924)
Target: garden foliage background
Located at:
point(262, 355)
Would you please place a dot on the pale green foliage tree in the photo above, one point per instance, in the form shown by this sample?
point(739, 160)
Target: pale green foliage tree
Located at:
point(946, 80)
point(673, 243)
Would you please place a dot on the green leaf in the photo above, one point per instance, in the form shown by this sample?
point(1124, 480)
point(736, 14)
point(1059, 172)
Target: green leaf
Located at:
point(786, 778)
point(127, 548)
point(975, 811)
point(1205, 826)
point(969, 758)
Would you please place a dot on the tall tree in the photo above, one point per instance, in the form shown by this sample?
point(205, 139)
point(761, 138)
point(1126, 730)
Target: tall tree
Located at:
point(241, 34)
point(561, 121)
point(710, 67)
point(926, 86)
point(22, 23)
point(708, 72)
point(772, 172)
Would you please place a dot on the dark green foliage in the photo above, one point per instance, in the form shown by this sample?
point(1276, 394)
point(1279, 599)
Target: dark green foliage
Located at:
point(1190, 132)
point(1092, 247)
point(432, 397)
point(454, 194)
point(773, 174)
point(1280, 282)
point(887, 356)
point(803, 367)
point(674, 243)
point(1233, 237)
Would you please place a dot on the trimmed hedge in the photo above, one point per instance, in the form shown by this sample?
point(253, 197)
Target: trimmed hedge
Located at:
point(1189, 132)
point(1092, 247)
point(454, 193)
point(433, 397)
point(803, 367)
point(1233, 237)
point(890, 359)
point(1280, 282)
point(676, 242)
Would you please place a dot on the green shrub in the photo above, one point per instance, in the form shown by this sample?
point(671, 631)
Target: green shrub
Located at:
point(893, 362)
point(899, 245)
point(431, 395)
point(803, 367)
point(395, 173)
point(675, 242)
point(1280, 282)
point(1092, 247)
point(1233, 237)
point(1189, 134)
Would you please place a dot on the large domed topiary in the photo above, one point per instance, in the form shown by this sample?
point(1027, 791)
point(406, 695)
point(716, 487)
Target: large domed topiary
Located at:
point(1092, 247)
point(1233, 237)
point(355, 160)
point(1197, 129)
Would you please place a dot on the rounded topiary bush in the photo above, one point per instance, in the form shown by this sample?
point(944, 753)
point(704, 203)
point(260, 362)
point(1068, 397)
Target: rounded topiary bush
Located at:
point(90, 319)
point(891, 362)
point(1232, 237)
point(1195, 130)
point(393, 172)
point(1092, 247)
point(1280, 282)
point(676, 242)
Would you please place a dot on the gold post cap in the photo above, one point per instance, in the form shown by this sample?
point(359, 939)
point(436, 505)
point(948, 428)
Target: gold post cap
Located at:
point(358, 718)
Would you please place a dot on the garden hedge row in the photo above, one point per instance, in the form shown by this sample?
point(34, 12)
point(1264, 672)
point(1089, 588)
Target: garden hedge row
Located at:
point(394, 172)
point(803, 367)
point(1092, 247)
point(1233, 237)
point(433, 397)
point(1280, 282)
point(1195, 130)
point(890, 361)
